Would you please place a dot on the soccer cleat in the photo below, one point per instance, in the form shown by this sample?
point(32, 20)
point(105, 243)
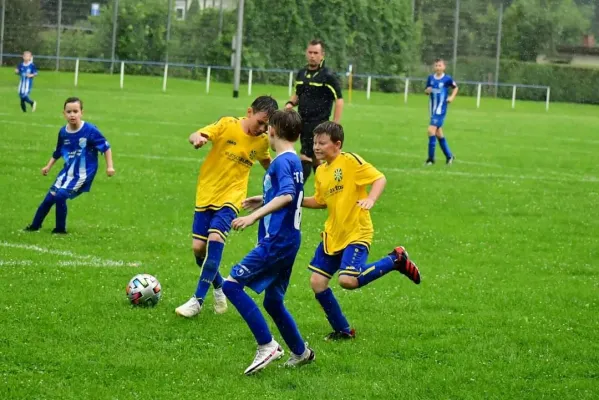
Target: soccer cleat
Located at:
point(220, 301)
point(31, 228)
point(405, 265)
point(57, 231)
point(189, 309)
point(339, 335)
point(306, 358)
point(429, 161)
point(265, 355)
point(34, 106)
point(450, 160)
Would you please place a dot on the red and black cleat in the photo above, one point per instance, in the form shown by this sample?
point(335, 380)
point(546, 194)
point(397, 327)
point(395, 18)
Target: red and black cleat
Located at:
point(405, 265)
point(338, 335)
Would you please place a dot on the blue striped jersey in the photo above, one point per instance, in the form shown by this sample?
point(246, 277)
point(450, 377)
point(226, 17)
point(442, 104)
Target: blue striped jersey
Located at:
point(440, 93)
point(79, 150)
point(25, 83)
point(284, 176)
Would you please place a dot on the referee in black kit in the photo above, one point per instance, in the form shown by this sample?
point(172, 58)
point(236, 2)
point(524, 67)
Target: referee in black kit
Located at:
point(316, 89)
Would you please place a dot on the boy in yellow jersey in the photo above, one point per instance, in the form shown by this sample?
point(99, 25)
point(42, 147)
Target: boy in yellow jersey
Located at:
point(340, 186)
point(222, 186)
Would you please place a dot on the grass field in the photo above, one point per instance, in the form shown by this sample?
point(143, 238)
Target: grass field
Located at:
point(507, 240)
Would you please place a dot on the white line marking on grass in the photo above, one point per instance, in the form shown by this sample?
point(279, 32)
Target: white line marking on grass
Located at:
point(15, 263)
point(83, 258)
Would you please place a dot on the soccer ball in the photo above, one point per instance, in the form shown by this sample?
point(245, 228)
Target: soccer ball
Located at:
point(144, 290)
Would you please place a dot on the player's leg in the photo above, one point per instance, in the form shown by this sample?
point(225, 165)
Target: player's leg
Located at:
point(432, 141)
point(62, 195)
point(397, 260)
point(443, 144)
point(42, 211)
point(23, 106)
point(323, 268)
point(253, 271)
point(353, 259)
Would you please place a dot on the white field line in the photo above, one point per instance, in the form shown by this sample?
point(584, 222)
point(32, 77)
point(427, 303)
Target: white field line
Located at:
point(83, 259)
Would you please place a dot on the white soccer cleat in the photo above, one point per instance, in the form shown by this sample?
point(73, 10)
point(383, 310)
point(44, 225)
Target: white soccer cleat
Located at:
point(220, 301)
point(265, 355)
point(34, 106)
point(306, 358)
point(189, 309)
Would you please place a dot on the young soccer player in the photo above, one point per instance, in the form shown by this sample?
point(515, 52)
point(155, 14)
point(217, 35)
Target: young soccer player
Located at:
point(222, 186)
point(26, 71)
point(340, 186)
point(268, 266)
point(437, 87)
point(78, 143)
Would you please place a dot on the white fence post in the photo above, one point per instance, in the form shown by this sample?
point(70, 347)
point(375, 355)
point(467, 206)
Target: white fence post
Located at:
point(514, 97)
point(250, 83)
point(165, 77)
point(478, 90)
point(76, 72)
point(122, 73)
point(547, 101)
point(208, 80)
point(290, 82)
point(407, 89)
point(368, 87)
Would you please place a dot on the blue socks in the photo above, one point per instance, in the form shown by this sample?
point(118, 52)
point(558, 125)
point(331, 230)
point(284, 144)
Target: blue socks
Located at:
point(445, 147)
point(248, 310)
point(432, 142)
point(61, 215)
point(332, 310)
point(43, 210)
point(209, 269)
point(280, 315)
point(376, 270)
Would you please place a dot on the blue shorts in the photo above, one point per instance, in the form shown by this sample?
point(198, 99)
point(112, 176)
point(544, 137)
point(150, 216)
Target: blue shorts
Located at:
point(437, 120)
point(64, 194)
point(350, 261)
point(213, 221)
point(265, 268)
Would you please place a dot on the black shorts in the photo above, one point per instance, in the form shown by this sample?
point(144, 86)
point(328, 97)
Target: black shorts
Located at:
point(307, 137)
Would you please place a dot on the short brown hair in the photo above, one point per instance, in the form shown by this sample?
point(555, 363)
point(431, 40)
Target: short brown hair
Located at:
point(317, 42)
point(287, 124)
point(332, 130)
point(73, 100)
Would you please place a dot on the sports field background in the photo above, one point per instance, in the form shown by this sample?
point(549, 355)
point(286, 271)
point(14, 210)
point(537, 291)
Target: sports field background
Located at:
point(507, 240)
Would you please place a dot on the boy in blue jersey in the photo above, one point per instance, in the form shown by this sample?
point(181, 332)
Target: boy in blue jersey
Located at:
point(78, 143)
point(437, 87)
point(26, 71)
point(268, 266)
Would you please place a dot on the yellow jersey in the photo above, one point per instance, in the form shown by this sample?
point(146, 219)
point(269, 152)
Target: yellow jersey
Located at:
point(340, 185)
point(225, 173)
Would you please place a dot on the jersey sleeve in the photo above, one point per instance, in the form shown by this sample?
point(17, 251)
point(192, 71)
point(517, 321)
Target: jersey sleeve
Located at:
point(333, 84)
point(57, 151)
point(429, 81)
point(213, 131)
point(99, 141)
point(365, 173)
point(318, 189)
point(450, 82)
point(33, 69)
point(299, 83)
point(284, 176)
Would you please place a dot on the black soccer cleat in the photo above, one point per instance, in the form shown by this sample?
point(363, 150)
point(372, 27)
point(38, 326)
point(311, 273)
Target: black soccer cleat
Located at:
point(429, 161)
point(404, 265)
point(57, 231)
point(31, 228)
point(450, 160)
point(337, 335)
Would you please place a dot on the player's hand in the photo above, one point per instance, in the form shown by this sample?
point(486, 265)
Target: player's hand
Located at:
point(366, 204)
point(30, 75)
point(450, 100)
point(428, 90)
point(288, 106)
point(110, 171)
point(241, 223)
point(252, 203)
point(45, 170)
point(197, 140)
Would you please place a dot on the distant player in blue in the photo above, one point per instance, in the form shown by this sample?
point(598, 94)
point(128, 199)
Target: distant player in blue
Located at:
point(78, 143)
point(26, 71)
point(268, 266)
point(437, 86)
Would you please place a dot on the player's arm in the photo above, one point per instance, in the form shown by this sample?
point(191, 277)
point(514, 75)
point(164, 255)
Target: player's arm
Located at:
point(275, 204)
point(429, 86)
point(333, 84)
point(55, 156)
point(375, 192)
point(109, 165)
point(265, 163)
point(368, 175)
point(454, 92)
point(101, 144)
point(316, 201)
point(294, 99)
point(200, 137)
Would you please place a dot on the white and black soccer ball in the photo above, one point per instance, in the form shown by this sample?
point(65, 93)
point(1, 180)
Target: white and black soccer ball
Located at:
point(144, 290)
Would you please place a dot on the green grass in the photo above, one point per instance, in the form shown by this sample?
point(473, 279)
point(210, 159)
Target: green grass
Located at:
point(507, 241)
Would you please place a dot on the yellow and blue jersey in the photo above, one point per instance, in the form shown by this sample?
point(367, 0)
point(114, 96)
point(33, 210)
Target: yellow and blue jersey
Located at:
point(79, 149)
point(339, 185)
point(224, 175)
